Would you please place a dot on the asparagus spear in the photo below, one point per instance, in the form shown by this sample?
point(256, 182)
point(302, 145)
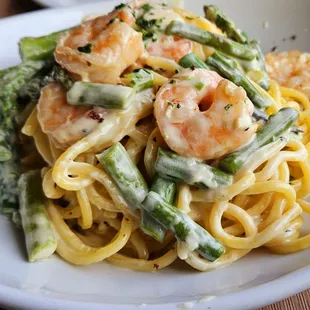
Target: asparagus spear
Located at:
point(33, 88)
point(276, 126)
point(131, 183)
point(5, 153)
point(265, 80)
point(216, 16)
point(11, 82)
point(140, 79)
point(192, 60)
point(191, 171)
point(40, 240)
point(103, 95)
point(9, 174)
point(167, 190)
point(190, 234)
point(210, 39)
point(228, 68)
point(39, 48)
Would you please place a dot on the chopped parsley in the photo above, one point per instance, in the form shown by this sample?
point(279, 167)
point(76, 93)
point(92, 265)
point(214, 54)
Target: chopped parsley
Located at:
point(150, 25)
point(85, 49)
point(147, 7)
point(170, 103)
point(227, 107)
point(164, 4)
point(199, 86)
point(189, 18)
point(112, 20)
point(120, 6)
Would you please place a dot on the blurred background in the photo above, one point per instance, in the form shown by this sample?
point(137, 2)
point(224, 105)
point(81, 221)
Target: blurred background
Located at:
point(13, 7)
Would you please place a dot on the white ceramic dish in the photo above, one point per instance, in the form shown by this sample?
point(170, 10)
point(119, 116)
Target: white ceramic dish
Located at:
point(64, 3)
point(259, 279)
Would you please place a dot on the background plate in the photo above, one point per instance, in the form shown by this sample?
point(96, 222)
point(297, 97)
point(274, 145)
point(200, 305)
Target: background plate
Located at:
point(64, 3)
point(256, 280)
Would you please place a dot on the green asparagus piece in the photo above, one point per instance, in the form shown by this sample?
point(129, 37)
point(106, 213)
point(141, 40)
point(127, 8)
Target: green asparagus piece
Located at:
point(216, 41)
point(164, 188)
point(5, 152)
point(191, 171)
point(276, 126)
point(11, 82)
point(33, 88)
point(6, 71)
point(103, 95)
point(9, 174)
point(167, 190)
point(228, 68)
point(40, 240)
point(140, 79)
point(39, 48)
point(265, 80)
point(193, 236)
point(216, 16)
point(192, 60)
point(131, 183)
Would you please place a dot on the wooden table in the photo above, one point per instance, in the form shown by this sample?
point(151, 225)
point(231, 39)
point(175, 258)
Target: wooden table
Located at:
point(297, 302)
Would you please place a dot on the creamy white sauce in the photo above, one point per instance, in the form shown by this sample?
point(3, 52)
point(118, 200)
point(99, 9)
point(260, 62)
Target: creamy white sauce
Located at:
point(186, 305)
point(206, 299)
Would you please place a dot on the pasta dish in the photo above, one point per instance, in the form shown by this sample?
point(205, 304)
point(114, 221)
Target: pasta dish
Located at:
point(151, 134)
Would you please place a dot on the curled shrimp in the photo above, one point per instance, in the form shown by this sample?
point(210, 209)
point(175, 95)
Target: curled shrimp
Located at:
point(63, 123)
point(202, 115)
point(99, 50)
point(290, 69)
point(157, 43)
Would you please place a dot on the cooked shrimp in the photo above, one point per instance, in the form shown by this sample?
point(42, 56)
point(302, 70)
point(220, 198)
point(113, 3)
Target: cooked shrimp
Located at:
point(290, 69)
point(156, 42)
point(113, 45)
point(202, 115)
point(65, 123)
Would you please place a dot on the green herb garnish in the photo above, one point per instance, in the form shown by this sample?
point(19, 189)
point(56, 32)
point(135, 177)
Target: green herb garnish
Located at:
point(227, 107)
point(147, 7)
point(199, 86)
point(85, 49)
point(120, 6)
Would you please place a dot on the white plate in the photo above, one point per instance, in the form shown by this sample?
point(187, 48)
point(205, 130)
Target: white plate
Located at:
point(256, 280)
point(64, 3)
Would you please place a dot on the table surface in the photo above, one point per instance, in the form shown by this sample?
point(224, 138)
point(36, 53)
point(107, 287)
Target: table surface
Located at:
point(300, 301)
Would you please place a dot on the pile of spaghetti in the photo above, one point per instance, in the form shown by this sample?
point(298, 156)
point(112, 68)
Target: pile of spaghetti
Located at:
point(152, 134)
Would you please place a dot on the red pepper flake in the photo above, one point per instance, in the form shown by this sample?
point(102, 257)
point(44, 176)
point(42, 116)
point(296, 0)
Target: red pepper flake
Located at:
point(193, 68)
point(96, 116)
point(156, 266)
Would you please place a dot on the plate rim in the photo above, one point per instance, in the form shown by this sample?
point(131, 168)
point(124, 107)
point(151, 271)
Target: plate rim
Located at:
point(258, 296)
point(250, 298)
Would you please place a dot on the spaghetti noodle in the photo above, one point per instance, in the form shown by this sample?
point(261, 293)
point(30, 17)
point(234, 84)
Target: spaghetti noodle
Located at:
point(263, 207)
